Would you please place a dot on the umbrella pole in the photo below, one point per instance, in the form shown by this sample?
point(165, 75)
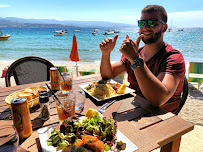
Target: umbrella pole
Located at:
point(76, 68)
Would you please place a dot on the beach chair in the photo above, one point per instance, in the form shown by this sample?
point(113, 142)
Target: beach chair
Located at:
point(63, 69)
point(88, 72)
point(28, 70)
point(120, 78)
point(183, 95)
point(195, 73)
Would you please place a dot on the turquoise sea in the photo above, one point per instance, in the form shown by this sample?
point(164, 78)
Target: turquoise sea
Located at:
point(42, 42)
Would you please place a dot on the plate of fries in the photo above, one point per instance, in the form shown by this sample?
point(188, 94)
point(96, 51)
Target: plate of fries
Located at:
point(31, 93)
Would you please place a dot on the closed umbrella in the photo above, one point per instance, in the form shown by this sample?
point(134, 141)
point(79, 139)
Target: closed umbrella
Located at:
point(74, 53)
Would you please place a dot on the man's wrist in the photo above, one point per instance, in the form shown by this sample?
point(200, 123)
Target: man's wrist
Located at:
point(138, 62)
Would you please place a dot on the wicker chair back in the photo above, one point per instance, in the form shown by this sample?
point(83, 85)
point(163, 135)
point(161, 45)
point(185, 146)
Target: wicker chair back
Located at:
point(29, 70)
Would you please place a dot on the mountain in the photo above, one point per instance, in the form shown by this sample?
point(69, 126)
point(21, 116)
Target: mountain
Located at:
point(20, 22)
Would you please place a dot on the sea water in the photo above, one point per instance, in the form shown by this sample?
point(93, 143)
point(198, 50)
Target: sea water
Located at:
point(42, 42)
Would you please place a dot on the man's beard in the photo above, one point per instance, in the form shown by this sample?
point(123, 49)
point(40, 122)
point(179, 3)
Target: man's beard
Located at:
point(153, 39)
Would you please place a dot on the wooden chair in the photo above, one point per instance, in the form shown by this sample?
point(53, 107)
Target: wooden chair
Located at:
point(29, 70)
point(184, 95)
point(195, 68)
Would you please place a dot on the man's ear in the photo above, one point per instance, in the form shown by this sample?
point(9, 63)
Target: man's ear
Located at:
point(165, 28)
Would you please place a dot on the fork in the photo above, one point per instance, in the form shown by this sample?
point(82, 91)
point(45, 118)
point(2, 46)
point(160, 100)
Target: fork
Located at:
point(104, 106)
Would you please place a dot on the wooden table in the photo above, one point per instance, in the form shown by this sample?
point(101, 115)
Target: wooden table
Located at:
point(147, 127)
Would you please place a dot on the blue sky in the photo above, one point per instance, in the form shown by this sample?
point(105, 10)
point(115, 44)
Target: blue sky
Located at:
point(186, 13)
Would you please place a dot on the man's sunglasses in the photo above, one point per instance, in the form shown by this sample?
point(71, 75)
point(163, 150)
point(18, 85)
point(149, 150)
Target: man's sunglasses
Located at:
point(150, 22)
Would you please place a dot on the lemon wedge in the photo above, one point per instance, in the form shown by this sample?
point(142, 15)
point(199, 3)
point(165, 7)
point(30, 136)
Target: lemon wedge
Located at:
point(122, 89)
point(90, 112)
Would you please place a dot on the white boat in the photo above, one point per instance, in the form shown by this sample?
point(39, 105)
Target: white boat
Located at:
point(60, 34)
point(4, 37)
point(116, 31)
point(108, 32)
point(96, 30)
point(94, 33)
point(169, 29)
point(55, 31)
point(181, 29)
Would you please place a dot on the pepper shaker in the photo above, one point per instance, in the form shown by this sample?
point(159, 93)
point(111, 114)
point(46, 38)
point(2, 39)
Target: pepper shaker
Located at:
point(44, 105)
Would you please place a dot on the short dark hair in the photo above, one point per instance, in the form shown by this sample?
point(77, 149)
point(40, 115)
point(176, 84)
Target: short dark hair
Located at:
point(156, 8)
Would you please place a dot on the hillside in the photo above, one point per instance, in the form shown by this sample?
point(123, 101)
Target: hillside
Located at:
point(19, 22)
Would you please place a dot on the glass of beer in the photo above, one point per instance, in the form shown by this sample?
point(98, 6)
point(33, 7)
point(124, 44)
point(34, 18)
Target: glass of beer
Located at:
point(65, 106)
point(66, 79)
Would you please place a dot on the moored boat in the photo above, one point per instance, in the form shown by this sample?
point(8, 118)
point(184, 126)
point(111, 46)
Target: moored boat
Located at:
point(4, 37)
point(55, 31)
point(60, 34)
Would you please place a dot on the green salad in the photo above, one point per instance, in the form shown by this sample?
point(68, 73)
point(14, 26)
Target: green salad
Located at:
point(71, 130)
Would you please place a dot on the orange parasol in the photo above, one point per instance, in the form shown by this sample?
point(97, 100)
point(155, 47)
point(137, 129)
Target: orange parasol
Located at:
point(74, 53)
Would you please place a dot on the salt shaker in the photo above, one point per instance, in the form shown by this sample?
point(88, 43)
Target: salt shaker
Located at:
point(44, 105)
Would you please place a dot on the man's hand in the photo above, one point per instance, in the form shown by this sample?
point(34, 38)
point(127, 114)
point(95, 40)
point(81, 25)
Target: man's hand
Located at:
point(129, 48)
point(107, 45)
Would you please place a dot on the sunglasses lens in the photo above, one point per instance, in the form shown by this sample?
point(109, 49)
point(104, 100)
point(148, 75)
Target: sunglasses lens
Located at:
point(141, 23)
point(152, 23)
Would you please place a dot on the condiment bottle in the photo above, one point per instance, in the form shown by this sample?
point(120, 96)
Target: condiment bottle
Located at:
point(44, 105)
point(54, 74)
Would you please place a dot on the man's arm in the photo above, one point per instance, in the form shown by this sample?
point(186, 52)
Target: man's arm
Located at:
point(106, 46)
point(158, 90)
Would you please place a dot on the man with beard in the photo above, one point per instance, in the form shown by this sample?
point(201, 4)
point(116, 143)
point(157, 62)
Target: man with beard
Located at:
point(156, 71)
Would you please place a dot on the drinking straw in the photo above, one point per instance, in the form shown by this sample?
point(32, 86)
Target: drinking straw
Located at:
point(62, 77)
point(53, 93)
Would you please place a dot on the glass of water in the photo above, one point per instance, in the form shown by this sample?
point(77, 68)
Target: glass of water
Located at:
point(80, 101)
point(9, 138)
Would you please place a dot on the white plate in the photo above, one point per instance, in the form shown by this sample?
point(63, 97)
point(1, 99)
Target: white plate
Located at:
point(128, 90)
point(44, 134)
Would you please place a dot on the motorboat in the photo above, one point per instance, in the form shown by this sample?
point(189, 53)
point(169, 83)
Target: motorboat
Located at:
point(94, 33)
point(4, 37)
point(116, 31)
point(55, 31)
point(108, 32)
point(181, 29)
point(169, 29)
point(60, 34)
point(96, 30)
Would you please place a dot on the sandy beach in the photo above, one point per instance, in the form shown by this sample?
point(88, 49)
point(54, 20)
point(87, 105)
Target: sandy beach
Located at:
point(192, 111)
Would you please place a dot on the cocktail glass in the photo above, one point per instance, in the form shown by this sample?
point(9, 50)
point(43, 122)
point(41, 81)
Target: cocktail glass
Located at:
point(66, 106)
point(66, 79)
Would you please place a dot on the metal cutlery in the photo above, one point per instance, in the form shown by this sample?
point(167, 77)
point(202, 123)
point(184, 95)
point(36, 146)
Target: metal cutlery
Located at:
point(105, 106)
